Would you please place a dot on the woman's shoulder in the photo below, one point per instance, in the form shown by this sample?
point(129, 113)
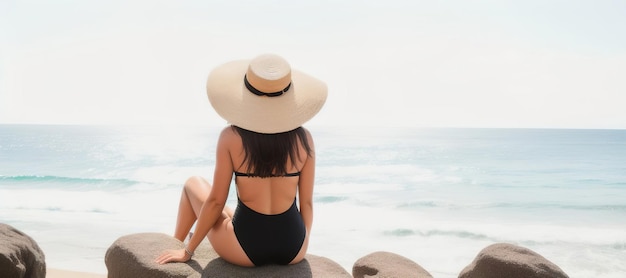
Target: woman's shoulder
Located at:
point(308, 134)
point(227, 130)
point(228, 134)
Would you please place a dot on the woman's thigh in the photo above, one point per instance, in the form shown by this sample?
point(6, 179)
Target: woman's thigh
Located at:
point(196, 190)
point(224, 241)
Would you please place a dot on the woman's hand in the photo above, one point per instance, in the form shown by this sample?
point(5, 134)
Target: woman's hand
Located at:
point(173, 256)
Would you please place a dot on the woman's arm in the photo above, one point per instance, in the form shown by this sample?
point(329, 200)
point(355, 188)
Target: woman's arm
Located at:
point(214, 204)
point(305, 187)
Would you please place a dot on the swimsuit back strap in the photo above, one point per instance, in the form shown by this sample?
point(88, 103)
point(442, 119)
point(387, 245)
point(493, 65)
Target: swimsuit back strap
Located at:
point(240, 174)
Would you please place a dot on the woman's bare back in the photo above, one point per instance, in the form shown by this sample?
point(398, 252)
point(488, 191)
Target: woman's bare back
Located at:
point(272, 195)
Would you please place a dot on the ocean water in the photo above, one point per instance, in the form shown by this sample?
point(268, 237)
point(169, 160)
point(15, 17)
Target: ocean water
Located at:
point(435, 196)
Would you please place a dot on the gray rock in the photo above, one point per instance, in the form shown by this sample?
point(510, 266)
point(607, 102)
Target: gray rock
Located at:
point(20, 256)
point(387, 265)
point(134, 255)
point(512, 261)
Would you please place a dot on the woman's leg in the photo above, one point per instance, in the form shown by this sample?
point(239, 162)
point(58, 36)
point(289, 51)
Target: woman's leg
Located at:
point(195, 191)
point(222, 236)
point(224, 241)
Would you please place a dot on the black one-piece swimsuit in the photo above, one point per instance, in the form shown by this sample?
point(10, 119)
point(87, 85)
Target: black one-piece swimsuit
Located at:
point(269, 238)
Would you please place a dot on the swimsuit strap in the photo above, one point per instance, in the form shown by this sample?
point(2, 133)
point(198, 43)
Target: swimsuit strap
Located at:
point(240, 174)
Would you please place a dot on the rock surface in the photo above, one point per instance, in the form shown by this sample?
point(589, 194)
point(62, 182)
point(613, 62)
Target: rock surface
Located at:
point(387, 265)
point(20, 256)
point(512, 261)
point(133, 256)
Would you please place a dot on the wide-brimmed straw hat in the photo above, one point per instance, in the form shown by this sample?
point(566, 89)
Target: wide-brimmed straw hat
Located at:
point(264, 94)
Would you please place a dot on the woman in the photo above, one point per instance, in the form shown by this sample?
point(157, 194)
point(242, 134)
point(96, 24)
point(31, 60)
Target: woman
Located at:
point(272, 159)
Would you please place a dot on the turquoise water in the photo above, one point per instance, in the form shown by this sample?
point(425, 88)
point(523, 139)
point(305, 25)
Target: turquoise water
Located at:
point(436, 196)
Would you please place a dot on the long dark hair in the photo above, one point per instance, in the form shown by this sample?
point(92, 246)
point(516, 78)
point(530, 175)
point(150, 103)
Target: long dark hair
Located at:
point(267, 154)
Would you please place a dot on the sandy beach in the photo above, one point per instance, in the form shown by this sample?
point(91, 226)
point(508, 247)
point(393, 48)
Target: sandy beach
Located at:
point(59, 273)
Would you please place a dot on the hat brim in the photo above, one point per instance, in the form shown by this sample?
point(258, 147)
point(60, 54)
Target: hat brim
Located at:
point(232, 101)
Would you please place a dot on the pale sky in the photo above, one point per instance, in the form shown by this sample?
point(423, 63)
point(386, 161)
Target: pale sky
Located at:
point(546, 64)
